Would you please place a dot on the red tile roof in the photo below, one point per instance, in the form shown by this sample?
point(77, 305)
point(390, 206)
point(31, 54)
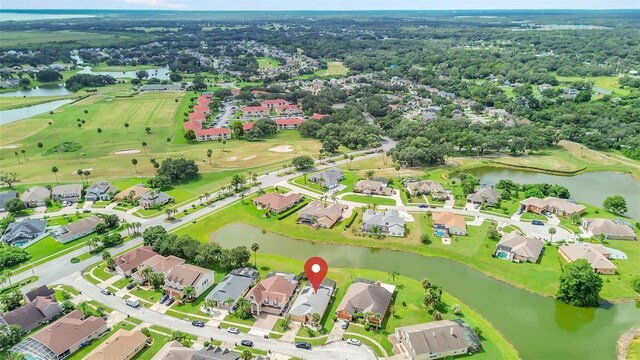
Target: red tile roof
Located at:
point(248, 126)
point(274, 102)
point(235, 92)
point(317, 116)
point(202, 108)
point(200, 117)
point(289, 121)
point(258, 92)
point(287, 107)
point(221, 131)
point(255, 108)
point(192, 125)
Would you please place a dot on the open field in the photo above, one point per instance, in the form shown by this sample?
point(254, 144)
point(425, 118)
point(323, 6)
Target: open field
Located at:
point(22, 38)
point(268, 63)
point(104, 152)
point(334, 68)
point(611, 83)
point(105, 67)
point(8, 103)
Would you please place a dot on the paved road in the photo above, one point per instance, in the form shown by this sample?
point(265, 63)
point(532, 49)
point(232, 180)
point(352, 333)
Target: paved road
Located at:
point(336, 350)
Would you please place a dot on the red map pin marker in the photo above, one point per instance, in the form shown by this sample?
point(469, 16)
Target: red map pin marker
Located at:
point(316, 269)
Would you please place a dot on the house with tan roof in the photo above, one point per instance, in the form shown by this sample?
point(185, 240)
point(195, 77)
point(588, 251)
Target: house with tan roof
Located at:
point(35, 196)
point(515, 247)
point(277, 203)
point(289, 110)
point(184, 275)
point(318, 214)
point(437, 340)
point(273, 294)
point(134, 192)
point(255, 111)
point(122, 345)
point(128, 263)
point(446, 223)
point(487, 195)
point(366, 296)
point(596, 254)
point(612, 229)
point(424, 187)
point(157, 263)
point(554, 205)
point(67, 192)
point(62, 338)
point(174, 351)
point(34, 313)
point(76, 229)
point(372, 187)
point(273, 103)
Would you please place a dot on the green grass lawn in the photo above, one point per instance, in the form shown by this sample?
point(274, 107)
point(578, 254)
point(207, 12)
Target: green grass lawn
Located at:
point(265, 63)
point(149, 352)
point(234, 319)
point(101, 273)
point(634, 350)
point(121, 284)
point(334, 68)
point(533, 216)
point(194, 306)
point(80, 354)
point(8, 103)
point(373, 200)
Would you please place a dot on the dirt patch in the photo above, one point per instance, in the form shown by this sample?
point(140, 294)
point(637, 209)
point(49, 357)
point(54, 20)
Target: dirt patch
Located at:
point(282, 149)
point(233, 158)
point(249, 157)
point(8, 147)
point(127, 152)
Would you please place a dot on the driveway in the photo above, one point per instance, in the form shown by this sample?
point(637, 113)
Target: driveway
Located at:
point(266, 321)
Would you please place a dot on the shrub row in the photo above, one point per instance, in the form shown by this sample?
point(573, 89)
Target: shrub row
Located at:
point(286, 214)
point(351, 220)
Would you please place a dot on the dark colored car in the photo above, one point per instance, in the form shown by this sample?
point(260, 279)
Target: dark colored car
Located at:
point(247, 343)
point(198, 323)
point(130, 286)
point(164, 298)
point(303, 345)
point(423, 206)
point(536, 222)
point(170, 302)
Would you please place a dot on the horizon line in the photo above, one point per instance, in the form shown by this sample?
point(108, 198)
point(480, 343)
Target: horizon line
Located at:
point(318, 10)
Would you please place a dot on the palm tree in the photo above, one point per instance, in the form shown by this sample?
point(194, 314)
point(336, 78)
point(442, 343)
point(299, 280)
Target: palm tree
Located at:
point(378, 318)
point(86, 174)
point(92, 244)
point(7, 275)
point(106, 255)
point(99, 130)
point(426, 284)
point(246, 355)
point(552, 231)
point(209, 153)
point(254, 178)
point(351, 157)
point(367, 316)
point(80, 172)
point(24, 154)
point(17, 157)
point(54, 170)
point(397, 167)
point(224, 142)
point(135, 164)
point(255, 247)
point(393, 275)
point(315, 318)
point(369, 174)
point(126, 126)
point(147, 130)
point(200, 198)
point(168, 212)
point(188, 293)
point(206, 196)
point(126, 226)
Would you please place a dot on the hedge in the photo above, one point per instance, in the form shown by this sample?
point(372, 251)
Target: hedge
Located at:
point(292, 210)
point(351, 220)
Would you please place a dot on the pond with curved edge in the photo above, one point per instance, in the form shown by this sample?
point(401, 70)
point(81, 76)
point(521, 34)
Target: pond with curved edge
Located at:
point(43, 90)
point(538, 327)
point(8, 116)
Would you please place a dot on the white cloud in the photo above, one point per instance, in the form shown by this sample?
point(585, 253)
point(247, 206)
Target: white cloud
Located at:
point(157, 4)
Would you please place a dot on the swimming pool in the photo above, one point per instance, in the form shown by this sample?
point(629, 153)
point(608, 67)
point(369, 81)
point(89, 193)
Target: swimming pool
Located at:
point(501, 255)
point(439, 232)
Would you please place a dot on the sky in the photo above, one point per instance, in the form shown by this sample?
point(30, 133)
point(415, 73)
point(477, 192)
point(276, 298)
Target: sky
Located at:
point(319, 4)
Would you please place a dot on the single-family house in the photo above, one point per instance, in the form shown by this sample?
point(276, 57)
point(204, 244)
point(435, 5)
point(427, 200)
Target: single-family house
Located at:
point(554, 205)
point(383, 222)
point(67, 192)
point(23, 232)
point(317, 116)
point(425, 187)
point(233, 286)
point(5, 196)
point(174, 350)
point(154, 199)
point(134, 192)
point(248, 126)
point(329, 178)
point(320, 215)
point(42, 290)
point(372, 187)
point(157, 263)
point(485, 195)
point(32, 314)
point(612, 229)
point(127, 264)
point(516, 247)
point(122, 345)
point(310, 302)
point(255, 111)
point(446, 224)
point(100, 191)
point(76, 229)
point(437, 340)
point(289, 123)
point(36, 196)
point(596, 254)
point(213, 352)
point(274, 103)
point(273, 294)
point(277, 203)
point(365, 296)
point(185, 275)
point(62, 338)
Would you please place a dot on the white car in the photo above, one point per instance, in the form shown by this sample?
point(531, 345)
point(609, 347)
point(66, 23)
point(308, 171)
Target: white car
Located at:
point(354, 342)
point(233, 330)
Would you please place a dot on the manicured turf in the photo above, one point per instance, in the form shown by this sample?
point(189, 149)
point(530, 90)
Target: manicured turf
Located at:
point(149, 352)
point(7, 103)
point(267, 63)
point(334, 68)
point(374, 200)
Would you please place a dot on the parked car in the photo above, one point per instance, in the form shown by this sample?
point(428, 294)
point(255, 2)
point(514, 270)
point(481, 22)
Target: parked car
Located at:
point(247, 343)
point(233, 330)
point(423, 206)
point(131, 285)
point(345, 324)
point(303, 345)
point(536, 222)
point(354, 342)
point(198, 323)
point(105, 291)
point(170, 302)
point(164, 298)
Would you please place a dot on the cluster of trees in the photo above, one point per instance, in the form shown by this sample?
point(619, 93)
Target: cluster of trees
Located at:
point(48, 75)
point(544, 190)
point(12, 255)
point(345, 127)
point(78, 81)
point(110, 221)
point(209, 254)
point(616, 204)
point(174, 171)
point(99, 243)
point(579, 285)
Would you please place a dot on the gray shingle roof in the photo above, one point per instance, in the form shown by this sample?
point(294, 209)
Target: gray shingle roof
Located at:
point(24, 230)
point(6, 196)
point(309, 302)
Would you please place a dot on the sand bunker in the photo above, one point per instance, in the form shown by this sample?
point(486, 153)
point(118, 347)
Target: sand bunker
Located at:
point(249, 157)
point(8, 147)
point(76, 173)
point(282, 149)
point(232, 158)
point(126, 152)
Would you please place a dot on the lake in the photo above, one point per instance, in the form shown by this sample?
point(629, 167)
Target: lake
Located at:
point(160, 73)
point(538, 327)
point(589, 187)
point(8, 116)
point(44, 90)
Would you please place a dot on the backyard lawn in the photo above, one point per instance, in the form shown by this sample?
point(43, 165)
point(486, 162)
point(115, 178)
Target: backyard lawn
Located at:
point(372, 200)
